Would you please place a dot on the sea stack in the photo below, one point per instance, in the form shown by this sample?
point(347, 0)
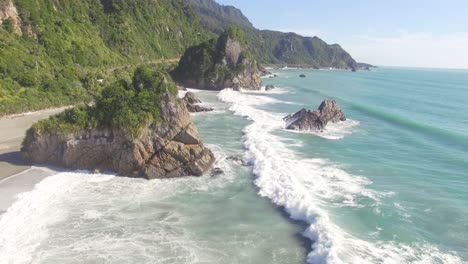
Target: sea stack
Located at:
point(328, 111)
point(165, 146)
point(220, 63)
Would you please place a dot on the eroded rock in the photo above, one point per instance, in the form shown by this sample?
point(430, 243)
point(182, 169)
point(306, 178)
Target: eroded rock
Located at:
point(170, 147)
point(328, 111)
point(192, 101)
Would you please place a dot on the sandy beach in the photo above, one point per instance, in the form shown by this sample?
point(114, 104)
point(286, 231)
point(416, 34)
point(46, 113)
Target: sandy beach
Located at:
point(12, 131)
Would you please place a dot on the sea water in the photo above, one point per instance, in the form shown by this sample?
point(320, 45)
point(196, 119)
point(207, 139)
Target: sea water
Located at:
point(389, 185)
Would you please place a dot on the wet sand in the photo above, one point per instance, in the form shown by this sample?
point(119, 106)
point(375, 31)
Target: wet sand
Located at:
point(12, 132)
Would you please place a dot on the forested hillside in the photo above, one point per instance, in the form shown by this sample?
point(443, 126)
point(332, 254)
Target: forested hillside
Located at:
point(273, 47)
point(59, 52)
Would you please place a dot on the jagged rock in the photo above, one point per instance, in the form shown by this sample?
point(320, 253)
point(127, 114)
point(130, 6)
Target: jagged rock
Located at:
point(302, 76)
point(191, 98)
point(328, 111)
point(191, 102)
point(263, 71)
point(269, 87)
point(239, 160)
point(169, 147)
point(216, 171)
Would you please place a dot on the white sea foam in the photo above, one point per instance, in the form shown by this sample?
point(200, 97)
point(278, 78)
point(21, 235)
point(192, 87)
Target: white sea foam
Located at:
point(303, 187)
point(98, 218)
point(276, 90)
point(333, 131)
point(24, 225)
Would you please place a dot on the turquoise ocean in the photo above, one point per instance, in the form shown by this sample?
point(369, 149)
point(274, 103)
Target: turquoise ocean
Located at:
point(389, 185)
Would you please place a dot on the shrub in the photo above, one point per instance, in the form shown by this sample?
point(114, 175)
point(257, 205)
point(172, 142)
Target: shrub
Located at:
point(121, 106)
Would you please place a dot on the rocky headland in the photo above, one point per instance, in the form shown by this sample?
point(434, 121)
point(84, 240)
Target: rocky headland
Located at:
point(167, 145)
point(328, 111)
point(220, 63)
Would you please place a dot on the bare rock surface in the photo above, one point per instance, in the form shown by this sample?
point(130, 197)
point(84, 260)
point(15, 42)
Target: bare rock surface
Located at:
point(170, 147)
point(192, 101)
point(328, 111)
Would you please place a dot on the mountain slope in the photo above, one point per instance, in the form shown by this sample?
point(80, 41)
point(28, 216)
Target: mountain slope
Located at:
point(273, 47)
point(52, 52)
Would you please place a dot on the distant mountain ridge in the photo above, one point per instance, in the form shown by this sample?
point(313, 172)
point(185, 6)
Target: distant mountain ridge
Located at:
point(273, 47)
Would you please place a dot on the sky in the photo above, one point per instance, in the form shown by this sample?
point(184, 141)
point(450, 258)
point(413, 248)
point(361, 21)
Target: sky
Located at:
point(410, 33)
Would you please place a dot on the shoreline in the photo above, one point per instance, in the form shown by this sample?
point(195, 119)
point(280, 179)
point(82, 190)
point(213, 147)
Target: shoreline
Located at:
point(12, 131)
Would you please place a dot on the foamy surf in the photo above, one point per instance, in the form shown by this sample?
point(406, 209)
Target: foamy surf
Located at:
point(305, 187)
point(333, 131)
point(98, 218)
point(276, 90)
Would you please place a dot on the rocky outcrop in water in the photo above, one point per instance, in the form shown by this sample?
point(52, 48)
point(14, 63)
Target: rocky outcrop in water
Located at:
point(328, 111)
point(192, 101)
point(169, 147)
point(218, 64)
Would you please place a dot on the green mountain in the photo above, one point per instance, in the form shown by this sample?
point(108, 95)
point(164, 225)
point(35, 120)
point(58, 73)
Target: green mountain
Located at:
point(273, 47)
point(59, 52)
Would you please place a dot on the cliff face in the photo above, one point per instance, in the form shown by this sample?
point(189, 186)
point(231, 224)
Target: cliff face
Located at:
point(8, 12)
point(218, 64)
point(169, 147)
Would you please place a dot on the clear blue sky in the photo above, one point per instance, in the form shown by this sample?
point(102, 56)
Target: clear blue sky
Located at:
point(399, 32)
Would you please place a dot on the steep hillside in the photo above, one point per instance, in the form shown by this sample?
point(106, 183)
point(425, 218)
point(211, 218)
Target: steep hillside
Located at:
point(216, 18)
point(52, 52)
point(273, 47)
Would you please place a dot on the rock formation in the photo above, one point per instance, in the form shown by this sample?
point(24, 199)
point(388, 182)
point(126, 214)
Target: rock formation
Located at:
point(169, 147)
point(9, 13)
point(328, 111)
point(218, 64)
point(191, 102)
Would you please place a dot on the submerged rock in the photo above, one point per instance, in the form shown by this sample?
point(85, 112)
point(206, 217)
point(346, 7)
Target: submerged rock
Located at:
point(239, 160)
point(169, 147)
point(269, 87)
point(191, 101)
point(216, 172)
point(302, 76)
point(328, 111)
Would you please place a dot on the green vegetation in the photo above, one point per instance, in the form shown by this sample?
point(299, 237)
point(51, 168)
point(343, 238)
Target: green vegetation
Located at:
point(123, 105)
point(68, 45)
point(203, 63)
point(272, 47)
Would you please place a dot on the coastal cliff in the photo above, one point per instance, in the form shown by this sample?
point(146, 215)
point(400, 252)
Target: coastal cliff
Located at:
point(167, 145)
point(219, 63)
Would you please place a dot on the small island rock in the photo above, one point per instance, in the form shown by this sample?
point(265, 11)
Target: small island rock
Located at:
point(328, 111)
